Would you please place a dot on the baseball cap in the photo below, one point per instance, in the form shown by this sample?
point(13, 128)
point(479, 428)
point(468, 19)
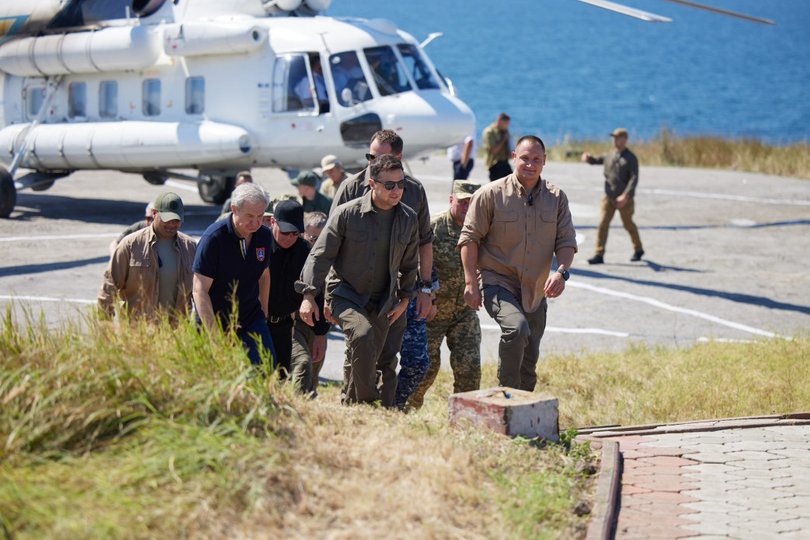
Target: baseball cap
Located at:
point(289, 216)
point(330, 162)
point(464, 189)
point(306, 178)
point(618, 132)
point(170, 206)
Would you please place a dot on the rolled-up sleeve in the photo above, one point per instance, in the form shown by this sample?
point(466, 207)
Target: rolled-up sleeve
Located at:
point(479, 218)
point(566, 234)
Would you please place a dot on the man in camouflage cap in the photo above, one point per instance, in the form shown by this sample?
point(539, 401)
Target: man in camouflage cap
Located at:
point(454, 319)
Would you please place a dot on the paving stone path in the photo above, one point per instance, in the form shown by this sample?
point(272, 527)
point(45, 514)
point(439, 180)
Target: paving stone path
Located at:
point(742, 478)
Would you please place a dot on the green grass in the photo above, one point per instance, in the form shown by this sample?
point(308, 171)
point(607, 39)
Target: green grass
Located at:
point(667, 149)
point(157, 432)
point(656, 385)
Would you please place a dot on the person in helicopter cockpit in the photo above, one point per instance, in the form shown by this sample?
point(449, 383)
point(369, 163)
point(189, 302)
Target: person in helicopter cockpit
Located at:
point(304, 91)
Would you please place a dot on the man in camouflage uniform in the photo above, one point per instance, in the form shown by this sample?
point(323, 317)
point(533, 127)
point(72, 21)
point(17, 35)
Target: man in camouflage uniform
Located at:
point(454, 319)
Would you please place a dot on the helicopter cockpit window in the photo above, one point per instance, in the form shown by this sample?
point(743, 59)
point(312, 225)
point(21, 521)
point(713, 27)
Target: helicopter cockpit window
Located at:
point(388, 73)
point(195, 95)
point(151, 97)
point(418, 67)
point(293, 84)
point(350, 83)
point(36, 97)
point(77, 100)
point(108, 99)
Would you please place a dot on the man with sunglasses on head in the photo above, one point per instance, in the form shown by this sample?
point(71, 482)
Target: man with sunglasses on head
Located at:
point(370, 244)
point(408, 336)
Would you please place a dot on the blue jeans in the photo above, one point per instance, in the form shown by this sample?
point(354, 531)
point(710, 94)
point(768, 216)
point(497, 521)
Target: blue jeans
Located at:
point(252, 336)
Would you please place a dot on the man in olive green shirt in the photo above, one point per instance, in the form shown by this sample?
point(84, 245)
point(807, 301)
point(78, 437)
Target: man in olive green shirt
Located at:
point(371, 244)
point(621, 179)
point(496, 145)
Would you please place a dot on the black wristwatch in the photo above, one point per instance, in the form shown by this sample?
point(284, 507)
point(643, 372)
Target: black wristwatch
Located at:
point(564, 273)
point(426, 287)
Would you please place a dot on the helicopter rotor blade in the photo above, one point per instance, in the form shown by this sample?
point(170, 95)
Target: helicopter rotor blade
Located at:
point(723, 11)
point(625, 10)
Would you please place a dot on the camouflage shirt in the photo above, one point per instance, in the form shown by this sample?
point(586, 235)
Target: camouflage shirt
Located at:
point(447, 263)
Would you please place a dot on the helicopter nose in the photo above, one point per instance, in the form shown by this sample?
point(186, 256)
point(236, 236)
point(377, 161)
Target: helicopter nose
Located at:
point(427, 120)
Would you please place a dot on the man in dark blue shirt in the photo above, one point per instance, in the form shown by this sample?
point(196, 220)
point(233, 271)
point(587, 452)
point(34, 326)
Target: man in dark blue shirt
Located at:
point(233, 262)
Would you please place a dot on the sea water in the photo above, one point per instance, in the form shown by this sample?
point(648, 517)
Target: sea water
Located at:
point(564, 69)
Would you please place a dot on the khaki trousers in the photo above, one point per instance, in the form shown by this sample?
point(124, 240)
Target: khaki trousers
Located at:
point(521, 333)
point(365, 337)
point(607, 209)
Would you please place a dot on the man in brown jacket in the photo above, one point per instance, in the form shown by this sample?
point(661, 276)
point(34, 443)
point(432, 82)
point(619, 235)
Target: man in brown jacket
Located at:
point(150, 270)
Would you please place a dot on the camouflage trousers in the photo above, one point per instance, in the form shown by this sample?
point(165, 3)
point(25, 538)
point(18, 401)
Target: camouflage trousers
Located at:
point(413, 356)
point(463, 333)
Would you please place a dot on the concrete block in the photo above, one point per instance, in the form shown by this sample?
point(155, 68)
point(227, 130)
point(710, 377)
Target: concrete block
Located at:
point(508, 411)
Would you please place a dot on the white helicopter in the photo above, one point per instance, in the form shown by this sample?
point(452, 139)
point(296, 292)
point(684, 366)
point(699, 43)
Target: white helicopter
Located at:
point(157, 86)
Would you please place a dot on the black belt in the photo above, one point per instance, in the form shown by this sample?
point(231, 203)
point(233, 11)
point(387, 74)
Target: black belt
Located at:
point(273, 319)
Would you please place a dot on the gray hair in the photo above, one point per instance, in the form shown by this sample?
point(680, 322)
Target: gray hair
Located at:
point(315, 219)
point(250, 193)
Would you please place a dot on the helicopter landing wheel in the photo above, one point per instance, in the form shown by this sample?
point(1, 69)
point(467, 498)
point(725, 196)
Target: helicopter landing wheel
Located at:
point(217, 190)
point(8, 194)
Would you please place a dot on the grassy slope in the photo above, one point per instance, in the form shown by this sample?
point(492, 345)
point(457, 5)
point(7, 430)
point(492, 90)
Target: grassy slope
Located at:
point(161, 433)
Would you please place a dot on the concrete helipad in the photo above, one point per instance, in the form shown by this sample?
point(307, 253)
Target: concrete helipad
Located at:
point(727, 254)
point(736, 478)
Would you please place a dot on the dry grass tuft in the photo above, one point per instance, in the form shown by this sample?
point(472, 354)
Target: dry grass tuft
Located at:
point(705, 152)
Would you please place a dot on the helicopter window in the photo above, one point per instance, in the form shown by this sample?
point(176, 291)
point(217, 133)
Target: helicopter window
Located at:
point(418, 67)
point(108, 99)
point(387, 71)
point(291, 84)
point(195, 95)
point(77, 100)
point(151, 97)
point(350, 83)
point(36, 97)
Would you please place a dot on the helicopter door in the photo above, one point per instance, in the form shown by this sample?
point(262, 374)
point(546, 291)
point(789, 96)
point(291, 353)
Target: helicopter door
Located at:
point(298, 84)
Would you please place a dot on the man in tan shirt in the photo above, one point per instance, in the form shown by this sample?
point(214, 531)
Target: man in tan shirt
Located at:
point(150, 270)
point(512, 230)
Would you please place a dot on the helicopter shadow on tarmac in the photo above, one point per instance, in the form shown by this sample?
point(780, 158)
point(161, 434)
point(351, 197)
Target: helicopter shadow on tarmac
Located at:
point(27, 269)
point(101, 211)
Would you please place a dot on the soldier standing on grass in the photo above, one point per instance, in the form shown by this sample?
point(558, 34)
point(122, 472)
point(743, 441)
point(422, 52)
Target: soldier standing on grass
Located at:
point(454, 319)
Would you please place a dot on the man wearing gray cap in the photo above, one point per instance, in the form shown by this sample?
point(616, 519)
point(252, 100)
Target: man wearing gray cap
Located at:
point(454, 319)
point(621, 179)
point(150, 270)
point(333, 174)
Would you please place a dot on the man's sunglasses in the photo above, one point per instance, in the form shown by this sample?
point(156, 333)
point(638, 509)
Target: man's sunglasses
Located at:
point(391, 185)
point(370, 157)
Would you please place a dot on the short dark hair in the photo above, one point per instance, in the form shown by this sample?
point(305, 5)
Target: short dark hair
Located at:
point(503, 116)
point(533, 138)
point(390, 137)
point(384, 163)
